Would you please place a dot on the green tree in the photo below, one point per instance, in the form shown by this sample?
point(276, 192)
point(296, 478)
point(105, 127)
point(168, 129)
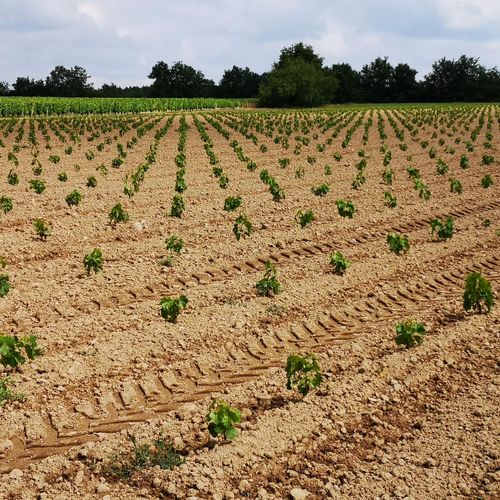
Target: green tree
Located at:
point(239, 82)
point(298, 79)
point(349, 83)
point(68, 82)
point(376, 80)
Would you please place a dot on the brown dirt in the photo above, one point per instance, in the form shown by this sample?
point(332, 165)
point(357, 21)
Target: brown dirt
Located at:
point(388, 422)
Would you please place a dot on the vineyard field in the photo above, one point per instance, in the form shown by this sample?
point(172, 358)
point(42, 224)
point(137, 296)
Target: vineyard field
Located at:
point(168, 258)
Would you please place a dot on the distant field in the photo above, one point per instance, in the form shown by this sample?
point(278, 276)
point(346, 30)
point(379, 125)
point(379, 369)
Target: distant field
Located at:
point(20, 106)
point(370, 216)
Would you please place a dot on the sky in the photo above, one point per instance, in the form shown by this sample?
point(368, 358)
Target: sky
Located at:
point(119, 41)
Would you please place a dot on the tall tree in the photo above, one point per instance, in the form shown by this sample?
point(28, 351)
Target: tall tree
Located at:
point(239, 82)
point(26, 86)
point(349, 87)
point(298, 79)
point(376, 79)
point(403, 86)
point(4, 88)
point(180, 80)
point(68, 82)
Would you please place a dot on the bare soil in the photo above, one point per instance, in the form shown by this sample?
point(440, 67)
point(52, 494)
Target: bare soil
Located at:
point(387, 422)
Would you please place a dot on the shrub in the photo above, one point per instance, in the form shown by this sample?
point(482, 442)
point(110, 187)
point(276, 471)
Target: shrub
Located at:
point(302, 373)
point(339, 263)
point(321, 190)
point(73, 198)
point(93, 261)
point(397, 243)
point(12, 347)
point(477, 291)
point(410, 333)
point(486, 181)
point(345, 208)
point(221, 419)
point(178, 206)
point(4, 285)
point(170, 308)
point(5, 204)
point(269, 284)
point(37, 185)
point(242, 227)
point(304, 218)
point(42, 228)
point(117, 214)
point(444, 230)
point(231, 203)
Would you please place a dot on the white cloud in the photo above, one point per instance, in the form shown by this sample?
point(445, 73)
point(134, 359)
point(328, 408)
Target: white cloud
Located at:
point(93, 12)
point(470, 14)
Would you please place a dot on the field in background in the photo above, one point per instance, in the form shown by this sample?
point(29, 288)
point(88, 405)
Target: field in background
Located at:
point(28, 106)
point(112, 363)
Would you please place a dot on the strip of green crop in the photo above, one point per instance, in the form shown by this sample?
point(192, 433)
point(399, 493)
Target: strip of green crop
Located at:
point(23, 106)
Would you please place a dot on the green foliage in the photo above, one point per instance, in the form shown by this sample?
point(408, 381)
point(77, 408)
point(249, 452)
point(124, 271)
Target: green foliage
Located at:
point(4, 285)
point(12, 178)
point(328, 170)
point(390, 200)
point(6, 393)
point(337, 156)
point(442, 167)
point(464, 162)
point(397, 243)
point(339, 263)
point(299, 173)
point(159, 454)
point(118, 214)
point(93, 261)
point(73, 198)
point(269, 284)
point(388, 176)
point(42, 228)
point(170, 308)
point(62, 176)
point(221, 419)
point(444, 230)
point(251, 165)
point(54, 159)
point(12, 347)
point(231, 203)
point(302, 373)
point(487, 160)
point(486, 181)
point(242, 227)
point(174, 244)
point(321, 190)
point(477, 292)
point(223, 181)
point(304, 218)
point(455, 186)
point(37, 185)
point(91, 182)
point(345, 208)
point(178, 206)
point(5, 204)
point(410, 333)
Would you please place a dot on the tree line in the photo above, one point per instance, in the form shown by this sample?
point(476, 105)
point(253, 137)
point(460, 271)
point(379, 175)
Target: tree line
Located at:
point(298, 78)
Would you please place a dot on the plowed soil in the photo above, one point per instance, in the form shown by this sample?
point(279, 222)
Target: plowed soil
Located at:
point(387, 422)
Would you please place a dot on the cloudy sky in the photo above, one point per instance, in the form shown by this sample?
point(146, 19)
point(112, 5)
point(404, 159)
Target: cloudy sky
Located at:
point(120, 40)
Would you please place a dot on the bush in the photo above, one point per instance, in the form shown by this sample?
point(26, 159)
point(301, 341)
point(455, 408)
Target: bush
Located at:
point(477, 291)
point(302, 373)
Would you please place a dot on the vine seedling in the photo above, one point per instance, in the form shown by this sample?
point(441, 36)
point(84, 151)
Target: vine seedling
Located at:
point(304, 218)
point(302, 373)
point(73, 198)
point(5, 204)
point(345, 208)
point(93, 261)
point(477, 292)
point(117, 214)
point(221, 419)
point(231, 203)
point(42, 228)
point(170, 308)
point(339, 263)
point(410, 333)
point(444, 230)
point(269, 284)
point(397, 243)
point(12, 347)
point(242, 227)
point(4, 285)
